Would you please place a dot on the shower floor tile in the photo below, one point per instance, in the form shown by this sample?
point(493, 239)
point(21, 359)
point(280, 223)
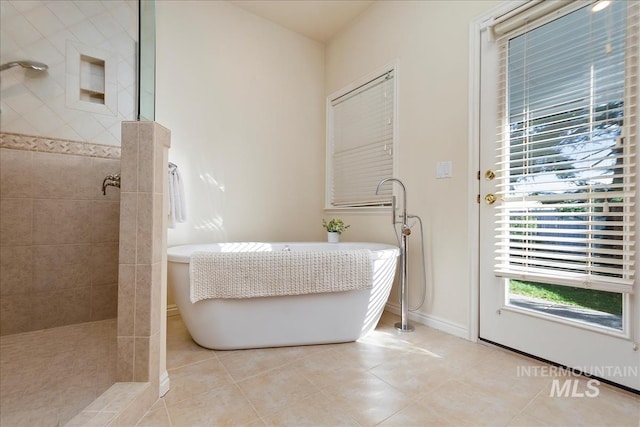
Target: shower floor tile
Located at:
point(424, 378)
point(49, 376)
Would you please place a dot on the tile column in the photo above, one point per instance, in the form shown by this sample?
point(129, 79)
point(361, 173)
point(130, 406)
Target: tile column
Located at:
point(142, 271)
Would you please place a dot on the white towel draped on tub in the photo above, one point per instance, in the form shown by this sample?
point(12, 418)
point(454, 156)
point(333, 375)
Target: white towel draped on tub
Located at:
point(261, 274)
point(177, 205)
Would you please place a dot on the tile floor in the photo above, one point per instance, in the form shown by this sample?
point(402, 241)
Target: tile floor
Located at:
point(50, 375)
point(425, 378)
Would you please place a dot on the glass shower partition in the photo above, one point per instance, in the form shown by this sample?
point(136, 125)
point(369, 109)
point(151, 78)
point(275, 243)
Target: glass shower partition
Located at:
point(147, 60)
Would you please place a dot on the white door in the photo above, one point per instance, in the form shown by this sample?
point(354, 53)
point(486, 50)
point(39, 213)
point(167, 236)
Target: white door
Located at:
point(557, 193)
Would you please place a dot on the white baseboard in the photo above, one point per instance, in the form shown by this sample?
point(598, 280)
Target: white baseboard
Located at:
point(432, 322)
point(172, 310)
point(164, 384)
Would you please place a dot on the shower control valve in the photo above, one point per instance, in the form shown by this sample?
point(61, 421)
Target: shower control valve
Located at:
point(406, 230)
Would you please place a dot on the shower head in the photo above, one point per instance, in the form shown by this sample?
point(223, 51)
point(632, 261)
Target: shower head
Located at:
point(30, 65)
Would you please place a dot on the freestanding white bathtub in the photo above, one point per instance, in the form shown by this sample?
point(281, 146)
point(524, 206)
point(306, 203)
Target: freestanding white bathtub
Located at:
point(318, 318)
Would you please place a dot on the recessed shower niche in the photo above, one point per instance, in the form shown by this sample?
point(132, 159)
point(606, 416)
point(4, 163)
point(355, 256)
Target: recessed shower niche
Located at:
point(92, 84)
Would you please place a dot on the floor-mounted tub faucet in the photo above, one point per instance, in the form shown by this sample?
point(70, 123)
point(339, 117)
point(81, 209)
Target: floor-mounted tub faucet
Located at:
point(403, 325)
point(110, 180)
point(393, 199)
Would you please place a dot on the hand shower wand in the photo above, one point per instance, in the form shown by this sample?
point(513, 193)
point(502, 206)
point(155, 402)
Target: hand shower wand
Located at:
point(403, 325)
point(29, 65)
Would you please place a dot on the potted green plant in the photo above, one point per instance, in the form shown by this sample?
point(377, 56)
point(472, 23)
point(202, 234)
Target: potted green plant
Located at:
point(335, 227)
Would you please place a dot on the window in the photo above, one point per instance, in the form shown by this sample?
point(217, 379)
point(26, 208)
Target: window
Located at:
point(567, 152)
point(361, 142)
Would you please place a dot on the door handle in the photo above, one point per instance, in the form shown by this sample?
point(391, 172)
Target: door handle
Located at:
point(490, 198)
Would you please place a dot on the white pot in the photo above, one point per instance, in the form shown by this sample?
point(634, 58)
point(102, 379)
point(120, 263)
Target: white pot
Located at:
point(333, 237)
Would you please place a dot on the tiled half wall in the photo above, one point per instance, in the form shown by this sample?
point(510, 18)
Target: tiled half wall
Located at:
point(58, 233)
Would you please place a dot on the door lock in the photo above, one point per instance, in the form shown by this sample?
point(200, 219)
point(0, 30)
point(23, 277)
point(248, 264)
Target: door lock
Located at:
point(489, 175)
point(490, 198)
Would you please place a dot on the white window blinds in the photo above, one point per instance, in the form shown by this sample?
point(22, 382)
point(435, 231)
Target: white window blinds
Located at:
point(361, 143)
point(567, 152)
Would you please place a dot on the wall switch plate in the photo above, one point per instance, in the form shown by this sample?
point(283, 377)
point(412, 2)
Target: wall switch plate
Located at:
point(444, 169)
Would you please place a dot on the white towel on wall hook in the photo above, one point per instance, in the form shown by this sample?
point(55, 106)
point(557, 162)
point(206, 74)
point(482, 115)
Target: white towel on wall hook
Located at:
point(177, 206)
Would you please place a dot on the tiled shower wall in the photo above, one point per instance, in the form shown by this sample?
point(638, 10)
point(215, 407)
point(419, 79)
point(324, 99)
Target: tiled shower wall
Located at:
point(58, 233)
point(58, 33)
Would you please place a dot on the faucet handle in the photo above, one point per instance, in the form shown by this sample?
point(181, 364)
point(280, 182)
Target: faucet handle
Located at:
point(110, 180)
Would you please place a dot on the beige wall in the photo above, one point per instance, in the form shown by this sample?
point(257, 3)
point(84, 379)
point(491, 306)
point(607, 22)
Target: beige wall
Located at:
point(430, 39)
point(244, 99)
